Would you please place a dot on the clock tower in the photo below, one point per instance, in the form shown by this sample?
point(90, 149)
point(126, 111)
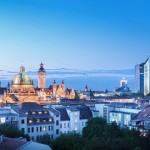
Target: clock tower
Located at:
point(42, 77)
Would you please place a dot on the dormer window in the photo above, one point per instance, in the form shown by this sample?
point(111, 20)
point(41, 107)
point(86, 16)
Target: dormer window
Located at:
point(45, 112)
point(39, 112)
point(50, 119)
point(26, 113)
point(30, 121)
point(38, 120)
point(33, 113)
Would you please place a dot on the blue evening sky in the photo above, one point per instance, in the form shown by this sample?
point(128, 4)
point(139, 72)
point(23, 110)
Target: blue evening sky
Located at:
point(85, 34)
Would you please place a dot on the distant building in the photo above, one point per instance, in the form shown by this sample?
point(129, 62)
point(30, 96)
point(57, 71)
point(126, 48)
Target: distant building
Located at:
point(41, 77)
point(123, 89)
point(123, 82)
point(142, 77)
point(22, 89)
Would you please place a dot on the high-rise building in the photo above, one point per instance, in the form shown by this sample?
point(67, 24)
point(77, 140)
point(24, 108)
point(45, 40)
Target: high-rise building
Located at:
point(42, 77)
point(142, 77)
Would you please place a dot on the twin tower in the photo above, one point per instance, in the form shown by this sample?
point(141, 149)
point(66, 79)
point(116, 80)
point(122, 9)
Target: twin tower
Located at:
point(41, 77)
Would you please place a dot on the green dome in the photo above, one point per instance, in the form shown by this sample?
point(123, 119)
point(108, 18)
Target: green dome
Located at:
point(22, 78)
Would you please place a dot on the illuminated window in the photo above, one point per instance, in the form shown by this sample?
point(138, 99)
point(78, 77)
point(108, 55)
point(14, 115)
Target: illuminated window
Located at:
point(50, 119)
point(26, 113)
point(76, 113)
point(45, 112)
point(76, 120)
point(39, 112)
point(76, 128)
point(38, 120)
point(44, 128)
point(2, 120)
point(30, 121)
point(34, 113)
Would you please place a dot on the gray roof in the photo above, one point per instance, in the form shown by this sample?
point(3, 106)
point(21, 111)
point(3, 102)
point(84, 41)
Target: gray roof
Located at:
point(85, 112)
point(64, 115)
point(34, 146)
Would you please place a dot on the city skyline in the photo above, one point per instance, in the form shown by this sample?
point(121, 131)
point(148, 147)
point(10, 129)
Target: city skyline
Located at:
point(80, 35)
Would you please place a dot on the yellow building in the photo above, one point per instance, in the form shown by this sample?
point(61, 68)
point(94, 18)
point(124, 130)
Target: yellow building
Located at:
point(22, 83)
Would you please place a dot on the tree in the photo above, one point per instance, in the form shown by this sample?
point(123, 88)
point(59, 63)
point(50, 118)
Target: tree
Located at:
point(44, 139)
point(94, 128)
point(11, 131)
point(71, 141)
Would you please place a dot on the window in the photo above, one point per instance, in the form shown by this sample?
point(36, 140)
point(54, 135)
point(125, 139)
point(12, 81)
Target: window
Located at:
point(57, 115)
point(76, 120)
point(76, 128)
point(32, 138)
point(51, 136)
point(37, 129)
point(82, 123)
point(2, 120)
point(64, 125)
point(28, 130)
point(40, 129)
point(57, 131)
point(44, 128)
point(51, 127)
point(39, 112)
point(32, 129)
point(22, 129)
point(68, 125)
point(30, 121)
point(76, 113)
point(26, 113)
point(57, 122)
point(22, 121)
point(6, 118)
point(60, 125)
point(33, 113)
point(38, 120)
point(50, 119)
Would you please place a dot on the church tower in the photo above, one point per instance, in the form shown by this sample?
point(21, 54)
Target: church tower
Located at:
point(41, 77)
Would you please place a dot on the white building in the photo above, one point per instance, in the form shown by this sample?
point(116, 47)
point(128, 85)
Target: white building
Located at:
point(8, 115)
point(35, 121)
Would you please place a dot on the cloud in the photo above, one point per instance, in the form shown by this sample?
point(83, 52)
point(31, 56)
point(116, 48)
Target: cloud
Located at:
point(67, 72)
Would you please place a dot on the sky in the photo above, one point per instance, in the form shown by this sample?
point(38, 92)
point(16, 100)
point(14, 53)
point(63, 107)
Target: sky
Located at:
point(80, 34)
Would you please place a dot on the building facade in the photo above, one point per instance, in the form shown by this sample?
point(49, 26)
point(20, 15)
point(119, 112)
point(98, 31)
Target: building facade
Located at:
point(142, 77)
point(41, 77)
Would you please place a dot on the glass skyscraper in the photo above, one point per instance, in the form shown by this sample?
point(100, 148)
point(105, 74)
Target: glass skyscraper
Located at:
point(142, 77)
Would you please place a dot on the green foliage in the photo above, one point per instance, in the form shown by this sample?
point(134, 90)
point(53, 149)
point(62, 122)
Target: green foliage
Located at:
point(11, 131)
point(98, 135)
point(45, 139)
point(71, 141)
point(137, 95)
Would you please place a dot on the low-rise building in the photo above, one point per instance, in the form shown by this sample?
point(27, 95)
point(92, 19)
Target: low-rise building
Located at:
point(35, 120)
point(8, 115)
